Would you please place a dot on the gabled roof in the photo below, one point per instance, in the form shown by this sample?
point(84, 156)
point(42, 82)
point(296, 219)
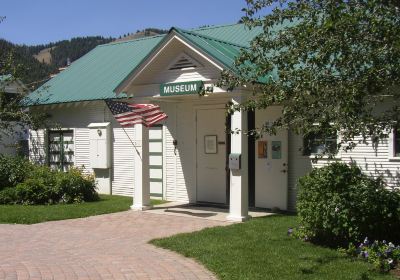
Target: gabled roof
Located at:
point(223, 51)
point(5, 78)
point(9, 84)
point(95, 75)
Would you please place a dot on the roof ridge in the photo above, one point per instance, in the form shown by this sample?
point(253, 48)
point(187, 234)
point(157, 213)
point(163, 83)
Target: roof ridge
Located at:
point(132, 40)
point(191, 30)
point(215, 26)
point(211, 38)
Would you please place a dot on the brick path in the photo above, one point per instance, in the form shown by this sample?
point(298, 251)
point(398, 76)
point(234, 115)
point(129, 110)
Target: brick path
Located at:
point(110, 246)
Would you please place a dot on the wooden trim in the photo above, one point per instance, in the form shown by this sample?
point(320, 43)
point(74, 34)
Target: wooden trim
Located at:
point(155, 153)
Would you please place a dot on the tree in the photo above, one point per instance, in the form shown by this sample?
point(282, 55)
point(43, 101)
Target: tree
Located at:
point(335, 63)
point(14, 117)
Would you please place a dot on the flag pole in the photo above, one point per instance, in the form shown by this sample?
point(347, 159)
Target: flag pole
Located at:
point(133, 144)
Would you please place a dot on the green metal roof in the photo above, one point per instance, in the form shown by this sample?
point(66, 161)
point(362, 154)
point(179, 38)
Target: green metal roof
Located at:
point(95, 75)
point(237, 34)
point(222, 51)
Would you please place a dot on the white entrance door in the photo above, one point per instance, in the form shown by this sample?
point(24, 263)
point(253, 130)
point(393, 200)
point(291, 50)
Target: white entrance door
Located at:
point(271, 164)
point(211, 155)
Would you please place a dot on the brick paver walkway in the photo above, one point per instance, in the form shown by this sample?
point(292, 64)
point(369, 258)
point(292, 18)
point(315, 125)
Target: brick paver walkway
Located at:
point(110, 246)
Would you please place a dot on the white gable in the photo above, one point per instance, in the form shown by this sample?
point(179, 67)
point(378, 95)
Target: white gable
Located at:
point(175, 61)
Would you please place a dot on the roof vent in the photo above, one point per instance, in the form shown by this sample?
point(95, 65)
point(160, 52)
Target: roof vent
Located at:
point(184, 62)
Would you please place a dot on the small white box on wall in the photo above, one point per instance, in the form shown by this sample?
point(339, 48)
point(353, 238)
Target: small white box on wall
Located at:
point(100, 146)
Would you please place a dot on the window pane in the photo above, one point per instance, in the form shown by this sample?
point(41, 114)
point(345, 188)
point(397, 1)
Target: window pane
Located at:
point(61, 150)
point(314, 143)
point(397, 142)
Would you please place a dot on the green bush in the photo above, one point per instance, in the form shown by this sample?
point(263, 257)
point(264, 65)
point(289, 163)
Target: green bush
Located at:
point(73, 186)
point(33, 191)
point(13, 170)
point(338, 205)
point(8, 196)
point(41, 185)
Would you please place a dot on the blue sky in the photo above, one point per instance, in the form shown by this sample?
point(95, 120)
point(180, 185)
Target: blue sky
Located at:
point(41, 21)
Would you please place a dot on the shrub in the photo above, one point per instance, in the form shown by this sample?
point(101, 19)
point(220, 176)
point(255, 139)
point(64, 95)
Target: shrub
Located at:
point(33, 191)
point(8, 196)
point(73, 186)
point(13, 170)
point(45, 186)
point(338, 204)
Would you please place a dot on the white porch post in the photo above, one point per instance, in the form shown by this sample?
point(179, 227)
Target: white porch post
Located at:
point(239, 204)
point(141, 199)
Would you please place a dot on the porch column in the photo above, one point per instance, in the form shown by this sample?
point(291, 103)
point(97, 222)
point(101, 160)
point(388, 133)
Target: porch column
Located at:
point(239, 202)
point(141, 198)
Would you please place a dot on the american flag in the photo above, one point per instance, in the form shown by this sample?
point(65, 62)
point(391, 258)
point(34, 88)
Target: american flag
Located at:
point(130, 114)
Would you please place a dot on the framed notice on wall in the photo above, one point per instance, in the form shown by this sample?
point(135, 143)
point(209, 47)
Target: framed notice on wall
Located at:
point(262, 149)
point(210, 144)
point(276, 149)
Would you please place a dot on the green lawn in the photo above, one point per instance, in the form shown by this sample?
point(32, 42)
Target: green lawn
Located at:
point(261, 249)
point(21, 214)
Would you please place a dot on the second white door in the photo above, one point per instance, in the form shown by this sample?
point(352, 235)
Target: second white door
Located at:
point(211, 155)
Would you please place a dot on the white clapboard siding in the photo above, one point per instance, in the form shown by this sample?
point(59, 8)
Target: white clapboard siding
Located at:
point(78, 116)
point(171, 154)
point(37, 146)
point(298, 166)
point(373, 161)
point(82, 149)
point(123, 161)
point(170, 163)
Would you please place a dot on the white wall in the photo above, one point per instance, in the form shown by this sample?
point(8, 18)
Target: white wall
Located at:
point(78, 116)
point(374, 161)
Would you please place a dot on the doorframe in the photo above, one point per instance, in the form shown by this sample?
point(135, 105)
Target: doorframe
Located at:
point(195, 109)
point(251, 150)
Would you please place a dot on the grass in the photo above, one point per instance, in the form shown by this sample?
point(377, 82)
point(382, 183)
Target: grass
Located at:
point(261, 249)
point(31, 214)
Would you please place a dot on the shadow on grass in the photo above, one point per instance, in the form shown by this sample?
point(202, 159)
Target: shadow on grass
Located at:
point(318, 262)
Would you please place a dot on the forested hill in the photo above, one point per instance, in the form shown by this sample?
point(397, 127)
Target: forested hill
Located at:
point(17, 59)
point(36, 63)
point(61, 51)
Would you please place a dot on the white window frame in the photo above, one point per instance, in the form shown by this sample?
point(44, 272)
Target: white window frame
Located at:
point(337, 156)
point(391, 147)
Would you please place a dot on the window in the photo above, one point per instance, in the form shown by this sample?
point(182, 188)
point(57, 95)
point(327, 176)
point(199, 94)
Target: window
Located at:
point(396, 138)
point(315, 144)
point(61, 149)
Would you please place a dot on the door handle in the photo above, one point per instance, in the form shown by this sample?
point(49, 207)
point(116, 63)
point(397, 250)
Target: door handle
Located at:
point(283, 171)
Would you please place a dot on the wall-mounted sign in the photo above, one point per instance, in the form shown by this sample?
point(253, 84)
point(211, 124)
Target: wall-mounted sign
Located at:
point(276, 149)
point(210, 144)
point(262, 149)
point(183, 88)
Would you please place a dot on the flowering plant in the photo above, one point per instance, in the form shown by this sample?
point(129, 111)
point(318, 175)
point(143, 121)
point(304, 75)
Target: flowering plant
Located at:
point(383, 255)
